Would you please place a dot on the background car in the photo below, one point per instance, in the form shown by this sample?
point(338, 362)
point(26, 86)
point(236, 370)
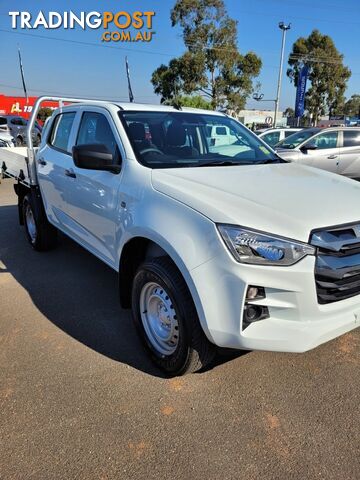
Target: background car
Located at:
point(6, 140)
point(272, 136)
point(16, 126)
point(334, 149)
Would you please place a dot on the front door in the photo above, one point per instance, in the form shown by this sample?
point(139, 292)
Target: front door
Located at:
point(93, 202)
point(324, 152)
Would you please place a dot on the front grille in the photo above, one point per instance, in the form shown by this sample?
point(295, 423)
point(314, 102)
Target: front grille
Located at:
point(337, 267)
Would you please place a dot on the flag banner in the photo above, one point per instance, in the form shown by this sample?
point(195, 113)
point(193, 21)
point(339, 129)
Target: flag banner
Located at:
point(131, 96)
point(22, 75)
point(300, 92)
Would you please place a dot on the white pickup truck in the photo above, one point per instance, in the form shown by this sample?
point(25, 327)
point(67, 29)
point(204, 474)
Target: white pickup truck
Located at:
point(234, 248)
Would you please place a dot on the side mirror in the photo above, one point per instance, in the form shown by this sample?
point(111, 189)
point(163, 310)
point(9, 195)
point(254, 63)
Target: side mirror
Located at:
point(94, 157)
point(308, 146)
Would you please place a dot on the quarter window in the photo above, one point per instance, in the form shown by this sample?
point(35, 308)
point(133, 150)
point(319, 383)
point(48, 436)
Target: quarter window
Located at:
point(60, 132)
point(351, 138)
point(95, 128)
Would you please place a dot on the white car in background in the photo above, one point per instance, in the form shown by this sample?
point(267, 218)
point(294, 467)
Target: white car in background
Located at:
point(7, 140)
point(221, 135)
point(272, 136)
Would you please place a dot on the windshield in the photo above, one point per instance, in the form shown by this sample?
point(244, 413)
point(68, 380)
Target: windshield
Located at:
point(182, 139)
point(294, 140)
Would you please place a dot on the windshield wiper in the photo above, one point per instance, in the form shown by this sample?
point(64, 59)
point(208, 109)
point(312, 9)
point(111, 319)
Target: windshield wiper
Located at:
point(221, 163)
point(272, 160)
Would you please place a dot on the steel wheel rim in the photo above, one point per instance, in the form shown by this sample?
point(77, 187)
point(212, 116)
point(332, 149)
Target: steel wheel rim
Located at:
point(159, 318)
point(30, 223)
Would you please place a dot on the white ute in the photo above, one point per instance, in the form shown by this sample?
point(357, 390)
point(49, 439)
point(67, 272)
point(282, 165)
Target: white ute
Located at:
point(233, 248)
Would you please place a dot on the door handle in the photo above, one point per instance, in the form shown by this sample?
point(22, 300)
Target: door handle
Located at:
point(70, 173)
point(41, 161)
point(331, 157)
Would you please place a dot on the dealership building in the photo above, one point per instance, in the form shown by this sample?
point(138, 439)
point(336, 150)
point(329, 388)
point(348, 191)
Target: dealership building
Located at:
point(21, 106)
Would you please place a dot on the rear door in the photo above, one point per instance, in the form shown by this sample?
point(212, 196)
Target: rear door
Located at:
point(326, 153)
point(93, 202)
point(349, 163)
point(54, 163)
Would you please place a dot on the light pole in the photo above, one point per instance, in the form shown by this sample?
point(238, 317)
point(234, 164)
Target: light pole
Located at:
point(284, 29)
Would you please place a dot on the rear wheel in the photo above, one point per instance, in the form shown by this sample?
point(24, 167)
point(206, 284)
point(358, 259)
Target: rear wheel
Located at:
point(40, 233)
point(19, 141)
point(166, 319)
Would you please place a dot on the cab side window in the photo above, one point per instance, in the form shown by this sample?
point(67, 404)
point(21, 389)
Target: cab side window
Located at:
point(95, 128)
point(60, 131)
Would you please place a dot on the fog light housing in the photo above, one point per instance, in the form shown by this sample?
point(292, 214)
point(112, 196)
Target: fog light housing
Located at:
point(255, 293)
point(253, 312)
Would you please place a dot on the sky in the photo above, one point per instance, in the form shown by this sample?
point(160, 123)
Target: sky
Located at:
point(65, 67)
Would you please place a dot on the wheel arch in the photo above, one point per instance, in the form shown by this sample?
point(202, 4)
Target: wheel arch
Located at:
point(139, 248)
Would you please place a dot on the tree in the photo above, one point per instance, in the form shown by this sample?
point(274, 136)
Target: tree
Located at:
point(289, 112)
point(193, 101)
point(212, 63)
point(44, 113)
point(352, 106)
point(327, 74)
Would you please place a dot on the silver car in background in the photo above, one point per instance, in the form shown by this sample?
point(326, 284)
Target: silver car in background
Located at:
point(16, 126)
point(334, 149)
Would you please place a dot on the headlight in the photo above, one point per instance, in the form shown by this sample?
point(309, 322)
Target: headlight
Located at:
point(248, 246)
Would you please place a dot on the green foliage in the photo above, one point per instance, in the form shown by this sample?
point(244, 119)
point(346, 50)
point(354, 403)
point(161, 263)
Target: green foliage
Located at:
point(289, 112)
point(44, 113)
point(193, 101)
point(212, 63)
point(327, 74)
point(352, 106)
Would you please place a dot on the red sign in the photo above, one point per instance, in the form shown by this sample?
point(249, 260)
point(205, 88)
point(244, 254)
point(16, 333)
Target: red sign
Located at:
point(20, 106)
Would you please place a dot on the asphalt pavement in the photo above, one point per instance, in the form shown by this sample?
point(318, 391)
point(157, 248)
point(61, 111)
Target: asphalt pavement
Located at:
point(79, 398)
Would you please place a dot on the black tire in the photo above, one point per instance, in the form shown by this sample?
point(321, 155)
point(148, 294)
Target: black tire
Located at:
point(45, 235)
point(19, 141)
point(193, 351)
point(38, 139)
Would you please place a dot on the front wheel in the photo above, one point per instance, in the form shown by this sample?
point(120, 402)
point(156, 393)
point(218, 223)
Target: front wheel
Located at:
point(40, 233)
point(166, 319)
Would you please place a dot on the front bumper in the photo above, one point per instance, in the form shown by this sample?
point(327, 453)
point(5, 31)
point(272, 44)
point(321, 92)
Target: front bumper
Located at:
point(296, 323)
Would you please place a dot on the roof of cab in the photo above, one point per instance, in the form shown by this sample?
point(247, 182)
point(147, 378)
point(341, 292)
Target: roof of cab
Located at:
point(143, 107)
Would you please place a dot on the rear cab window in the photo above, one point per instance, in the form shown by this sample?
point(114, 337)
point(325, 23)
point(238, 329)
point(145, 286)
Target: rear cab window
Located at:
point(60, 131)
